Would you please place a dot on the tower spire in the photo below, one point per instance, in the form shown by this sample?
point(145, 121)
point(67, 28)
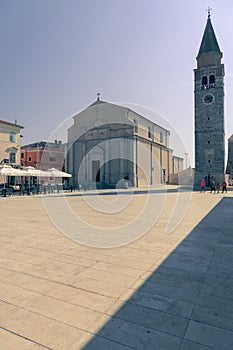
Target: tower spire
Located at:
point(209, 41)
point(209, 52)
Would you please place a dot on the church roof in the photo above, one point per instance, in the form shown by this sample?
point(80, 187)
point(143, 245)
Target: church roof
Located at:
point(126, 107)
point(97, 102)
point(209, 42)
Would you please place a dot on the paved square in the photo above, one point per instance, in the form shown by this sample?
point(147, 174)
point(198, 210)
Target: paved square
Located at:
point(161, 291)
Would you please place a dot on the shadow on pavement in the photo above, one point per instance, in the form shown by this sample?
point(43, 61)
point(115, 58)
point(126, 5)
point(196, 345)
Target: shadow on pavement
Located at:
point(186, 303)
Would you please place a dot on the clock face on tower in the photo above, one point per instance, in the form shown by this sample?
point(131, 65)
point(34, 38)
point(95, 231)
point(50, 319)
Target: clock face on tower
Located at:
point(208, 98)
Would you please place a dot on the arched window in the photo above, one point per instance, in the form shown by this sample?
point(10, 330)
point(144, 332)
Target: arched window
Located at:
point(204, 82)
point(212, 80)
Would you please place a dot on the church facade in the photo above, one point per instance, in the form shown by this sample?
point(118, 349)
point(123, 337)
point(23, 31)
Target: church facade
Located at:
point(209, 110)
point(110, 145)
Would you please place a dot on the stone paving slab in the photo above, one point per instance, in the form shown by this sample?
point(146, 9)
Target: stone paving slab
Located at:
point(214, 337)
point(153, 319)
point(9, 341)
point(160, 292)
point(189, 345)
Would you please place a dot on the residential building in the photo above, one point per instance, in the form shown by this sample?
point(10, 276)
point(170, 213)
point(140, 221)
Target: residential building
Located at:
point(10, 142)
point(43, 155)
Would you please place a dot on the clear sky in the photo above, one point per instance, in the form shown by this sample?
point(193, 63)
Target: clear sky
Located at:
point(57, 54)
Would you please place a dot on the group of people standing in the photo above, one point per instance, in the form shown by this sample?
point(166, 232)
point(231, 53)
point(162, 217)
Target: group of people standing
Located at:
point(214, 187)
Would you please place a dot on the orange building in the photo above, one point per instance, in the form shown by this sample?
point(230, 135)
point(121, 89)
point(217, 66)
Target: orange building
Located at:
point(44, 155)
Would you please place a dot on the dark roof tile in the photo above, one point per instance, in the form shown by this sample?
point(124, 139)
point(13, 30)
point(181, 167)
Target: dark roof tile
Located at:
point(209, 42)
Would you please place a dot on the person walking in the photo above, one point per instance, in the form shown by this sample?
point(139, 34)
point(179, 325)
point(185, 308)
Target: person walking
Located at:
point(202, 185)
point(218, 187)
point(224, 187)
point(212, 187)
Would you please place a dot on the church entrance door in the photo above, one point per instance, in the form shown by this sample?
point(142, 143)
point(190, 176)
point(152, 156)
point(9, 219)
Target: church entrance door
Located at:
point(95, 171)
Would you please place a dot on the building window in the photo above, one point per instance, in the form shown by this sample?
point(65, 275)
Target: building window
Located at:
point(161, 137)
point(29, 159)
point(212, 81)
point(149, 132)
point(52, 159)
point(12, 157)
point(135, 126)
point(204, 82)
point(22, 155)
point(12, 136)
point(209, 161)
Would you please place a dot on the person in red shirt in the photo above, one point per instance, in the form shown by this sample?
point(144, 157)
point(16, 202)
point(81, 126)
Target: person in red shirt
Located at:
point(224, 187)
point(202, 185)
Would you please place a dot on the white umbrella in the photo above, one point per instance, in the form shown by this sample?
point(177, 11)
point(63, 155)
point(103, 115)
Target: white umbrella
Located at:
point(45, 173)
point(58, 173)
point(7, 170)
point(20, 172)
point(30, 171)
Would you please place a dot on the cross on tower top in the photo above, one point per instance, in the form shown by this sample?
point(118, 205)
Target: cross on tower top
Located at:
point(208, 10)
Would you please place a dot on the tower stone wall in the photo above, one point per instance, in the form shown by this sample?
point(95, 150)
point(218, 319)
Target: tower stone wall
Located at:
point(209, 111)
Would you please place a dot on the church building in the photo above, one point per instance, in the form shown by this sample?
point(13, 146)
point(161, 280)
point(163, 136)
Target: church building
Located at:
point(110, 145)
point(209, 110)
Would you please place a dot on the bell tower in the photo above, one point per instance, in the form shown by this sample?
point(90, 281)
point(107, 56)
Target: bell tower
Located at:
point(209, 110)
